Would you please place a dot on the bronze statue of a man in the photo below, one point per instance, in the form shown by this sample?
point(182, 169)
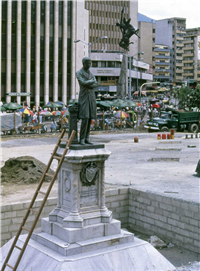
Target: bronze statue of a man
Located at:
point(87, 100)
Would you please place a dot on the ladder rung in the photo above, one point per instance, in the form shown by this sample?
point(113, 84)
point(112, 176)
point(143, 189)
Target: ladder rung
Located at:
point(25, 228)
point(33, 210)
point(18, 247)
point(47, 174)
point(65, 140)
point(57, 157)
point(9, 266)
point(41, 192)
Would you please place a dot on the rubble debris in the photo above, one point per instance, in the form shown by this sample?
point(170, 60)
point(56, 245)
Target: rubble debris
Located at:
point(157, 242)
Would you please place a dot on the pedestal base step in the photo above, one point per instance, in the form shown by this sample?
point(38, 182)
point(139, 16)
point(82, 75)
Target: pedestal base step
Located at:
point(133, 256)
point(73, 235)
point(68, 249)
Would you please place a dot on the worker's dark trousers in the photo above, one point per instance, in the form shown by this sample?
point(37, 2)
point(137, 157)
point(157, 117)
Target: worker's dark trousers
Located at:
point(85, 128)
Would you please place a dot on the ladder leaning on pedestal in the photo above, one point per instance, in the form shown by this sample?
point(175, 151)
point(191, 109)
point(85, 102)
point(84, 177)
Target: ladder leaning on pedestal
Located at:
point(38, 191)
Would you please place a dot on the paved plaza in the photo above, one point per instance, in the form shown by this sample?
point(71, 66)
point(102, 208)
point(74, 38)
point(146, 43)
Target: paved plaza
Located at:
point(160, 166)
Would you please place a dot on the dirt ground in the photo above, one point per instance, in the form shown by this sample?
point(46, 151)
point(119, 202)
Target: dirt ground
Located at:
point(23, 170)
point(181, 258)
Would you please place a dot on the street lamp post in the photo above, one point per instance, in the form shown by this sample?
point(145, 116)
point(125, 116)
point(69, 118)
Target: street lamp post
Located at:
point(141, 53)
point(90, 44)
point(147, 84)
point(129, 90)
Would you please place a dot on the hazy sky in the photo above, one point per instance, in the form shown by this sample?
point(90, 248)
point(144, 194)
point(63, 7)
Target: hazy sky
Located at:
point(162, 9)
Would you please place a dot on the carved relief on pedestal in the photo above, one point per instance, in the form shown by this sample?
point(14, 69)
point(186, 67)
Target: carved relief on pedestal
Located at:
point(89, 174)
point(66, 188)
point(67, 180)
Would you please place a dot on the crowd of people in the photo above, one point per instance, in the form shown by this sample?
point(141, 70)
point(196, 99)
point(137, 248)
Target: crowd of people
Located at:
point(138, 114)
point(106, 117)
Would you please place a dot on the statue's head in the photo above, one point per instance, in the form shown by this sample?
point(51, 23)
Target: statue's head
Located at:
point(86, 63)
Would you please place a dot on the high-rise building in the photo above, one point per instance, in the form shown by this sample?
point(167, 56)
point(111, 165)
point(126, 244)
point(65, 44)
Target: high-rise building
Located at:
point(43, 43)
point(38, 55)
point(191, 56)
point(103, 16)
point(163, 63)
point(146, 43)
point(106, 54)
point(170, 32)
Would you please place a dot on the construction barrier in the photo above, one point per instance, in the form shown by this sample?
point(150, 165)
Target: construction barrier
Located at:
point(168, 136)
point(163, 136)
point(172, 133)
point(159, 136)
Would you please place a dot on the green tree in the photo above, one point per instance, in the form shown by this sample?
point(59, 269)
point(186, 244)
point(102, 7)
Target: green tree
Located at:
point(187, 97)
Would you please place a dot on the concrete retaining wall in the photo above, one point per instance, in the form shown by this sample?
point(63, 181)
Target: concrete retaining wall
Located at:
point(172, 220)
point(12, 216)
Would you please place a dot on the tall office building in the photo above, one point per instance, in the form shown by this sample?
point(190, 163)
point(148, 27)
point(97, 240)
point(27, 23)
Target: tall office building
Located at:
point(163, 63)
point(146, 42)
point(106, 54)
point(103, 16)
point(38, 55)
point(170, 32)
point(191, 56)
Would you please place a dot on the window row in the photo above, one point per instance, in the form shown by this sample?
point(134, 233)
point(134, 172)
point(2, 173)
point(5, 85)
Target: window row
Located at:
point(106, 64)
point(99, 13)
point(103, 27)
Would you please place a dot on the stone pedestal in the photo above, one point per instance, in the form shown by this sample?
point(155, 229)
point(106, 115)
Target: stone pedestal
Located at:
point(81, 189)
point(80, 233)
point(81, 214)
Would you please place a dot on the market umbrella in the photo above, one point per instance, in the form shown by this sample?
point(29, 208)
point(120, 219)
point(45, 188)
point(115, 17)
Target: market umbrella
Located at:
point(72, 101)
point(130, 103)
point(2, 108)
point(121, 114)
point(12, 106)
point(156, 105)
point(103, 104)
point(59, 102)
point(45, 113)
point(56, 113)
point(65, 113)
point(162, 89)
point(53, 105)
point(119, 103)
point(26, 111)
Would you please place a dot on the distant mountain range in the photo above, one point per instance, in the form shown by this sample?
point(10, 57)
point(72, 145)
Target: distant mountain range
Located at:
point(143, 18)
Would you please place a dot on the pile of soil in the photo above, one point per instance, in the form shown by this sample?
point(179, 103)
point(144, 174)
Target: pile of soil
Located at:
point(23, 170)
